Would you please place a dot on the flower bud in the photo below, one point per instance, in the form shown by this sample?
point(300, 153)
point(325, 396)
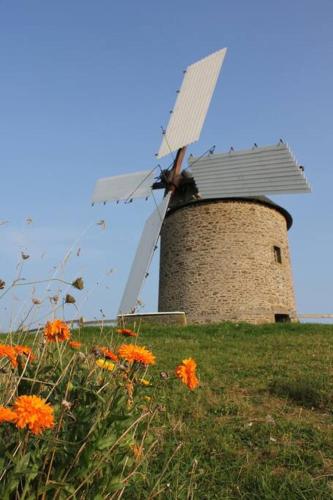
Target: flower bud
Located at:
point(66, 404)
point(78, 283)
point(54, 299)
point(69, 299)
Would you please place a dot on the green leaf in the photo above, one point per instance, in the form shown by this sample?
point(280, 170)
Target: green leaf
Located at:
point(116, 484)
point(21, 464)
point(106, 442)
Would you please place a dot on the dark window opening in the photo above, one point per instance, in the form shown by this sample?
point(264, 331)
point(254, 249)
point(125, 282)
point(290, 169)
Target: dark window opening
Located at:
point(277, 255)
point(282, 318)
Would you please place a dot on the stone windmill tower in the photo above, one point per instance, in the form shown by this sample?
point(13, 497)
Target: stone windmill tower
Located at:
point(224, 244)
point(230, 256)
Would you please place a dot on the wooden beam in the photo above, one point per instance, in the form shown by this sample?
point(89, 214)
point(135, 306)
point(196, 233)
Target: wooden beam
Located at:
point(176, 168)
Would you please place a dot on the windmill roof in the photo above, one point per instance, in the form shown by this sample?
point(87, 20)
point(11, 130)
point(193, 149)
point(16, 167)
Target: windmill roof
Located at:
point(254, 199)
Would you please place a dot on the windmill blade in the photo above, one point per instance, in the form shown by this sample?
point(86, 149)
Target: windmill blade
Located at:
point(192, 103)
point(123, 187)
point(143, 257)
point(257, 171)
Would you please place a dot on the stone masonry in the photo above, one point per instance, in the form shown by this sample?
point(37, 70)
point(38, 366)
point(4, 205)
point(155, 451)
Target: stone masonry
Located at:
point(219, 262)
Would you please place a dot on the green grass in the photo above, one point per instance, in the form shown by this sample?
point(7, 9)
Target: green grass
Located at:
point(259, 426)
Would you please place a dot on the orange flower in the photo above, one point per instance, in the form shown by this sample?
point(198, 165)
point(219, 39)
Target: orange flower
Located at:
point(24, 350)
point(107, 353)
point(74, 344)
point(126, 332)
point(132, 352)
point(34, 413)
point(9, 352)
point(7, 415)
point(186, 373)
point(137, 451)
point(56, 330)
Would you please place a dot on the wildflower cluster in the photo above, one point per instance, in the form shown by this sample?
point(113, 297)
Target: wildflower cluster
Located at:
point(66, 405)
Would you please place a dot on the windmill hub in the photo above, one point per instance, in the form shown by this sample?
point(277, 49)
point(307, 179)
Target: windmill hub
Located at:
point(182, 186)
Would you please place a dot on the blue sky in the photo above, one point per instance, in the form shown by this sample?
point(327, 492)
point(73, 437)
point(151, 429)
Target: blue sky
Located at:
point(84, 89)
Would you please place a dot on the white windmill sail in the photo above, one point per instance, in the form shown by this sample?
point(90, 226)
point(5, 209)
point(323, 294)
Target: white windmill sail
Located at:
point(143, 256)
point(256, 171)
point(123, 187)
point(192, 103)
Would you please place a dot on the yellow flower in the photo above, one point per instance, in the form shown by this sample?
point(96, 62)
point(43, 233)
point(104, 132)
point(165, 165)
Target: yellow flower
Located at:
point(34, 413)
point(56, 330)
point(132, 352)
point(107, 365)
point(186, 372)
point(144, 381)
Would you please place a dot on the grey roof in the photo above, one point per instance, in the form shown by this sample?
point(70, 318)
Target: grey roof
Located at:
point(251, 172)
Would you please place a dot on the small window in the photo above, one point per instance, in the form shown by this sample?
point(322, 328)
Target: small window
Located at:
point(277, 254)
point(282, 318)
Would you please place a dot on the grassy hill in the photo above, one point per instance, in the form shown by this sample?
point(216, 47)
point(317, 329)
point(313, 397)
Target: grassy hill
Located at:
point(259, 426)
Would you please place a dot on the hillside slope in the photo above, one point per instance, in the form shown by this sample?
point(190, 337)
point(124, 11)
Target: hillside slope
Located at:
point(260, 424)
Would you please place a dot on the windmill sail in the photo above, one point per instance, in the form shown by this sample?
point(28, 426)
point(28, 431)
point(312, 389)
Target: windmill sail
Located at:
point(123, 187)
point(192, 103)
point(143, 257)
point(257, 171)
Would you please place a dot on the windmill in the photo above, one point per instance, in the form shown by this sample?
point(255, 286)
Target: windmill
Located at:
point(238, 181)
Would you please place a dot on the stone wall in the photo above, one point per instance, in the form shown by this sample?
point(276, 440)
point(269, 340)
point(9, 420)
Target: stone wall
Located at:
point(217, 263)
